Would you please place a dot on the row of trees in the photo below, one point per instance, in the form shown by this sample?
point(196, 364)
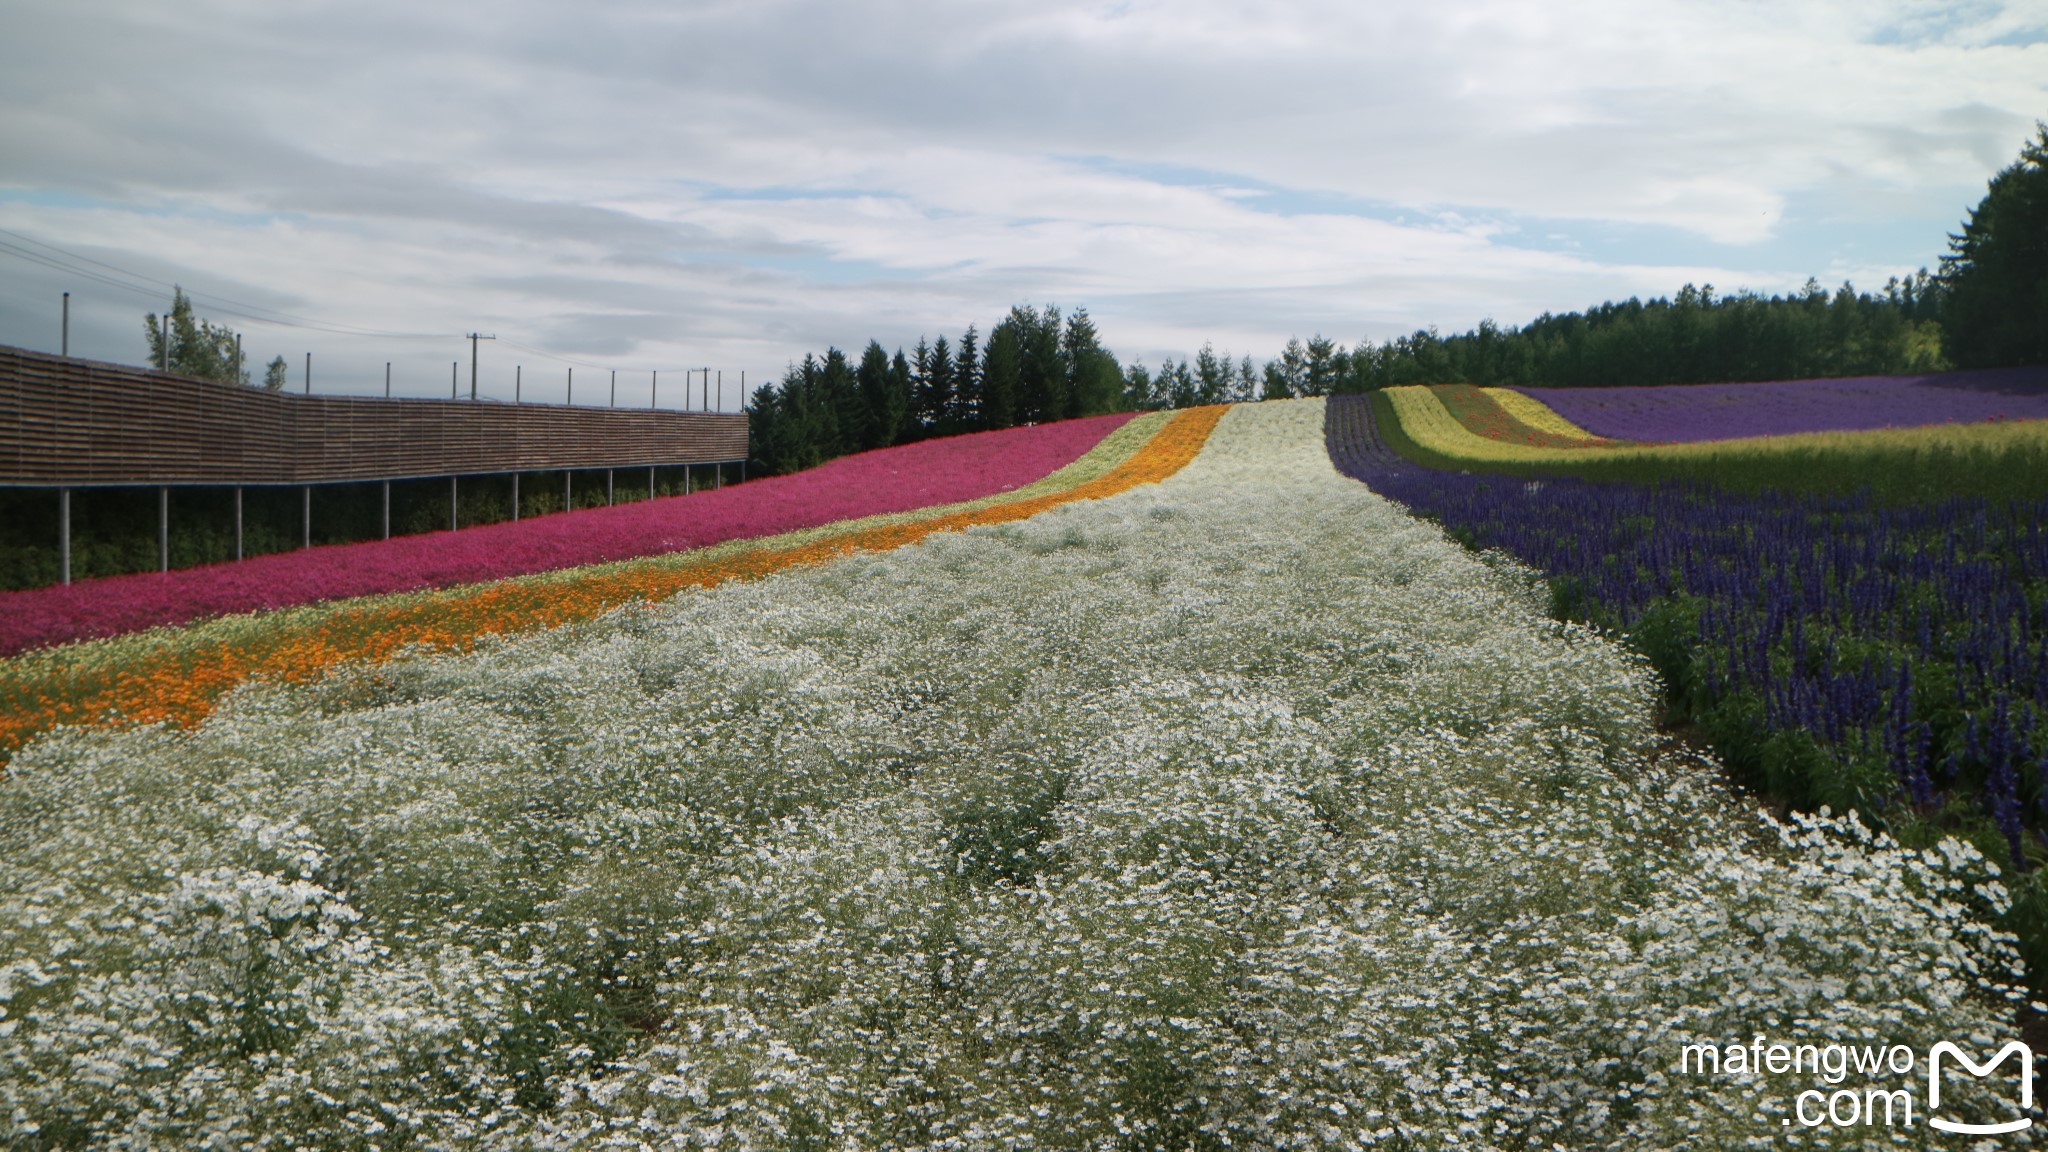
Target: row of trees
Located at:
point(1035, 365)
point(1695, 337)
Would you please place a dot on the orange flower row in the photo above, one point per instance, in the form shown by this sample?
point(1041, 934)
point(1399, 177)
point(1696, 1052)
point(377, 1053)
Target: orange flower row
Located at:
point(183, 686)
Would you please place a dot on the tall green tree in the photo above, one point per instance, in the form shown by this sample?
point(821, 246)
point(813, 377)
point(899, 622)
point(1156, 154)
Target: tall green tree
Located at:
point(841, 397)
point(1996, 272)
point(180, 342)
point(1212, 376)
point(967, 380)
point(884, 398)
point(1094, 382)
point(1041, 393)
point(1002, 373)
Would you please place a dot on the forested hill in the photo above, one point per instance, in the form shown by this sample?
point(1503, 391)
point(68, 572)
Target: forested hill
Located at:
point(1693, 338)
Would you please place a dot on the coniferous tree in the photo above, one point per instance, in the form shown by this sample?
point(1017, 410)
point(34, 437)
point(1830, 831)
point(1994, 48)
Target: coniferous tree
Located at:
point(1002, 371)
point(902, 424)
point(1094, 383)
point(1178, 384)
point(967, 371)
point(1139, 392)
point(1212, 376)
point(1323, 364)
point(1996, 272)
point(841, 402)
point(881, 413)
point(923, 413)
point(938, 400)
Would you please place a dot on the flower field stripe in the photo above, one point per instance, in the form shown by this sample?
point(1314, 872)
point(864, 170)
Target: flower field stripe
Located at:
point(1694, 412)
point(1540, 416)
point(181, 683)
point(905, 478)
point(1434, 430)
point(1484, 415)
point(1237, 811)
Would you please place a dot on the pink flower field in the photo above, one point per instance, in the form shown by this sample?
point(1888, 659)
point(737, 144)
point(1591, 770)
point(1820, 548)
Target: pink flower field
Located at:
point(888, 480)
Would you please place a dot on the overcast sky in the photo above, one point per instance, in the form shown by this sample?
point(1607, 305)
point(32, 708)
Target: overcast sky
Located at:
point(642, 186)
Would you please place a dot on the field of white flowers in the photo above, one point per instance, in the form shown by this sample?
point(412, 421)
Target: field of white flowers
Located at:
point(1243, 811)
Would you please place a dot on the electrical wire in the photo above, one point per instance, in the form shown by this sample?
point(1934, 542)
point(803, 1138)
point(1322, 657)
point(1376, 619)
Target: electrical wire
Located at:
point(148, 287)
point(253, 313)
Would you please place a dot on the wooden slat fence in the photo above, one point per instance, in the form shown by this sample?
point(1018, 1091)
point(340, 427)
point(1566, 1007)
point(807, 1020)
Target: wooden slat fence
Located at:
point(79, 423)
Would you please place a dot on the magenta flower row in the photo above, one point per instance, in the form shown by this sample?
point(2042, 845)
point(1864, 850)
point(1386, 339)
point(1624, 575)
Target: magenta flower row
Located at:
point(887, 480)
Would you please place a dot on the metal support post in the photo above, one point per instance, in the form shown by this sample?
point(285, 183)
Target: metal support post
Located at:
point(387, 509)
point(163, 528)
point(309, 373)
point(686, 479)
point(654, 391)
point(387, 379)
point(473, 338)
point(608, 501)
point(650, 481)
point(568, 490)
point(615, 387)
point(451, 504)
point(64, 534)
point(238, 522)
point(66, 344)
point(515, 497)
point(517, 371)
point(571, 399)
point(306, 518)
point(454, 384)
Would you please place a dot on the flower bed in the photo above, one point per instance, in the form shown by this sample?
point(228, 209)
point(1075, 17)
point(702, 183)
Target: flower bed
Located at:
point(1689, 412)
point(1841, 652)
point(1237, 811)
point(1483, 413)
point(179, 676)
point(914, 476)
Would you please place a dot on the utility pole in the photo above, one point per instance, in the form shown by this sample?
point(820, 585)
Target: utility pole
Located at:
point(473, 338)
point(387, 379)
point(615, 387)
point(66, 345)
point(309, 373)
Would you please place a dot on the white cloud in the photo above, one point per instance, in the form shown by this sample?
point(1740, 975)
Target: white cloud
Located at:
point(738, 183)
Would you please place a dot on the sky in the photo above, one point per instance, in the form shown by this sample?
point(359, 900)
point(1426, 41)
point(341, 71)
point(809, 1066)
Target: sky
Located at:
point(653, 187)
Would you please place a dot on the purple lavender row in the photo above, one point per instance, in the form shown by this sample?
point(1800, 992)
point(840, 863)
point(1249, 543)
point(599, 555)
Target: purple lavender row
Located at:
point(1689, 412)
point(1841, 651)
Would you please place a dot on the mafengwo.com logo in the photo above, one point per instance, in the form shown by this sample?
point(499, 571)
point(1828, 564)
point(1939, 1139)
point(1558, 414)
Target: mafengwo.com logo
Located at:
point(1950, 1088)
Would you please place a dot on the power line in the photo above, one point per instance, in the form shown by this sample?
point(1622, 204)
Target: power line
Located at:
point(254, 313)
point(150, 288)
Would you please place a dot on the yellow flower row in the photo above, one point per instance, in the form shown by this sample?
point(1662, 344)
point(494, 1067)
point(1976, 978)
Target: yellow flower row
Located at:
point(1538, 415)
point(1432, 427)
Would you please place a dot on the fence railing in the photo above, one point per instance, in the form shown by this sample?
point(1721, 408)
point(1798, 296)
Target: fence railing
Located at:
point(79, 423)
